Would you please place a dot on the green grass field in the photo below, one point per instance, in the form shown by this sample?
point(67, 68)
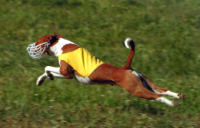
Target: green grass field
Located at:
point(167, 38)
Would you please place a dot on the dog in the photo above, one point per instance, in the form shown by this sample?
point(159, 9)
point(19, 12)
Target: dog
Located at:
point(76, 62)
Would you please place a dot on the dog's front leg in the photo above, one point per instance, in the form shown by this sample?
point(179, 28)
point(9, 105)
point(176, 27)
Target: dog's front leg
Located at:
point(41, 79)
point(50, 72)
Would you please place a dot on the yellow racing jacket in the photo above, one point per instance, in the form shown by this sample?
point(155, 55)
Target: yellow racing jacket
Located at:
point(81, 60)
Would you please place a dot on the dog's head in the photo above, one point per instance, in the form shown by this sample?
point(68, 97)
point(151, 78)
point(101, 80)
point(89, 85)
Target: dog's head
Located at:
point(41, 47)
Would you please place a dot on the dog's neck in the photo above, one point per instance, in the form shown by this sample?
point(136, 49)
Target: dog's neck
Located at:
point(57, 48)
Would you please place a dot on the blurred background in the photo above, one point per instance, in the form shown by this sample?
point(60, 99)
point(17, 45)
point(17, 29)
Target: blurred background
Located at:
point(166, 34)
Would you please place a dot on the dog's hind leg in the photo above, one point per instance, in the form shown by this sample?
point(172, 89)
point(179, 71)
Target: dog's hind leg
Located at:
point(163, 91)
point(133, 85)
point(142, 92)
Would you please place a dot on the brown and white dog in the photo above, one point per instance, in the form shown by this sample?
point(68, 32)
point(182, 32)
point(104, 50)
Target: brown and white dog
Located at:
point(130, 80)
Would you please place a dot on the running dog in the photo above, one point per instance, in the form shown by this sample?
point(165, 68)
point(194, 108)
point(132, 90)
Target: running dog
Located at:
point(76, 62)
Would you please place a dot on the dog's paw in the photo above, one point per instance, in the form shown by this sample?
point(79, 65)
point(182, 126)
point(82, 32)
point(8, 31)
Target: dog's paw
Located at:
point(49, 76)
point(175, 104)
point(181, 96)
point(40, 80)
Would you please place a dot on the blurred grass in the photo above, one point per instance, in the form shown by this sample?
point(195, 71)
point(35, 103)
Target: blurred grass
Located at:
point(166, 34)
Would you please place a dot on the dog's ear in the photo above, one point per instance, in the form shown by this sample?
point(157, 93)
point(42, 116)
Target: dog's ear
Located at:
point(54, 30)
point(60, 36)
point(53, 38)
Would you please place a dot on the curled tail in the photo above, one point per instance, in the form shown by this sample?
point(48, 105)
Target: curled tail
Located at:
point(130, 42)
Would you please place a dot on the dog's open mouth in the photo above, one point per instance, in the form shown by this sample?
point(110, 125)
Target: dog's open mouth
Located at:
point(37, 51)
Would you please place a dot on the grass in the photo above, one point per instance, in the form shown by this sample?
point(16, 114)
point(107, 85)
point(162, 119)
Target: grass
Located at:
point(166, 34)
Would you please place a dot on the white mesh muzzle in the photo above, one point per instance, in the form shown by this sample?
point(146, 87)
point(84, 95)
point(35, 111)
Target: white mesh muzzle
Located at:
point(36, 52)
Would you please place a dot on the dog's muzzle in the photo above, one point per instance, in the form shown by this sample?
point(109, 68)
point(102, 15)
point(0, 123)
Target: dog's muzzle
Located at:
point(37, 51)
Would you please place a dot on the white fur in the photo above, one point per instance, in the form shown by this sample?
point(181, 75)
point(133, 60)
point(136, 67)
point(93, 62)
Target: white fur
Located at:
point(49, 69)
point(83, 80)
point(127, 43)
point(57, 48)
point(52, 69)
point(41, 79)
point(58, 75)
point(168, 93)
point(44, 76)
point(134, 72)
point(165, 100)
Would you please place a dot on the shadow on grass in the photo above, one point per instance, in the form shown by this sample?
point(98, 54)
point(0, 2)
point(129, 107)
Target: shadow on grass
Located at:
point(144, 108)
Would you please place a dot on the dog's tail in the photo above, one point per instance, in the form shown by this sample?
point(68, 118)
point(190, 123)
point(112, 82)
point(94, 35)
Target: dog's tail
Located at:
point(130, 42)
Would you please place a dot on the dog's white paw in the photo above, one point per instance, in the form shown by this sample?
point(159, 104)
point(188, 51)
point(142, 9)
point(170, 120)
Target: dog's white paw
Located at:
point(41, 79)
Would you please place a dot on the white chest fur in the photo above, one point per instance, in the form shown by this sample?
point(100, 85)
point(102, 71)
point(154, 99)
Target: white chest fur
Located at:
point(83, 80)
